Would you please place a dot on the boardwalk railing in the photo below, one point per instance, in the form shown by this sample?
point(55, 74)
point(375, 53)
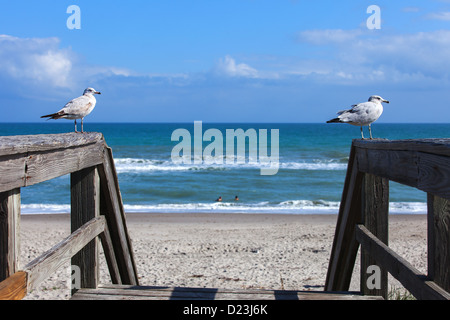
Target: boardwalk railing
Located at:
point(363, 216)
point(96, 210)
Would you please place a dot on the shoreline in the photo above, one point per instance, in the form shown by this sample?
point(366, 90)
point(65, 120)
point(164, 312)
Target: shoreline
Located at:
point(222, 250)
point(309, 213)
point(233, 207)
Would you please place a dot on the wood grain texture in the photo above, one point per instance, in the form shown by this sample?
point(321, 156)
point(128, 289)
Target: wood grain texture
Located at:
point(9, 232)
point(439, 241)
point(375, 210)
point(434, 174)
point(85, 206)
point(43, 266)
point(112, 209)
point(110, 256)
point(423, 163)
point(14, 287)
point(10, 145)
point(345, 247)
point(403, 271)
point(20, 170)
point(398, 166)
point(122, 292)
point(432, 146)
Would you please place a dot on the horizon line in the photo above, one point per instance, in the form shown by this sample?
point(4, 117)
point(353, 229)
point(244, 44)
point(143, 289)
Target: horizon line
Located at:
point(207, 122)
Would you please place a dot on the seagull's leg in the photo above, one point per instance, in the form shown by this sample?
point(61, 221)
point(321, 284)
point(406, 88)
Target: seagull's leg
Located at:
point(362, 134)
point(76, 125)
point(370, 131)
point(82, 125)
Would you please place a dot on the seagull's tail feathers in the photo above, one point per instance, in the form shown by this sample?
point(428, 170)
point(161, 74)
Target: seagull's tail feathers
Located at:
point(57, 115)
point(335, 120)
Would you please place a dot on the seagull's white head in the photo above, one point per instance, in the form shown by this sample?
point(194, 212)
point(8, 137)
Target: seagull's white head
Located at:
point(377, 99)
point(90, 91)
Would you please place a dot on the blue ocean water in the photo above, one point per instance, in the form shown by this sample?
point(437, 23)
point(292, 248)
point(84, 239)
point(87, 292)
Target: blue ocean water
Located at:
point(312, 167)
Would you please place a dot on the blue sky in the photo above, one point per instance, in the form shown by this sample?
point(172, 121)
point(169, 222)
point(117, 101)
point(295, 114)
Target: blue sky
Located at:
point(225, 61)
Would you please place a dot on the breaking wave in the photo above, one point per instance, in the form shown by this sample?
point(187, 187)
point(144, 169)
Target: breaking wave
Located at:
point(128, 165)
point(286, 207)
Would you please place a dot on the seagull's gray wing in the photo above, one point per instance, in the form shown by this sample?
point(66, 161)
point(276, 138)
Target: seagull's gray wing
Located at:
point(78, 105)
point(362, 113)
point(359, 108)
point(352, 110)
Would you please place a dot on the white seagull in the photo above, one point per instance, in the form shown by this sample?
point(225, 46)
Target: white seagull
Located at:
point(77, 108)
point(362, 114)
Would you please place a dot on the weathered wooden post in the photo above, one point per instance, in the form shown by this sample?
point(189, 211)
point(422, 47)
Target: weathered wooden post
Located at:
point(375, 209)
point(439, 241)
point(9, 232)
point(345, 246)
point(85, 205)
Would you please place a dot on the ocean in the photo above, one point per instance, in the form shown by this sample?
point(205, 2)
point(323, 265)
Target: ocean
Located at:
point(309, 176)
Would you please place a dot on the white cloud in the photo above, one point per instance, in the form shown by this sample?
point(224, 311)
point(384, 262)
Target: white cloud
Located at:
point(38, 68)
point(425, 52)
point(227, 66)
point(35, 59)
point(367, 56)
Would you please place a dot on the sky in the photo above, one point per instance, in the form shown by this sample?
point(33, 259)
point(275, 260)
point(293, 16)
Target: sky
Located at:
point(225, 61)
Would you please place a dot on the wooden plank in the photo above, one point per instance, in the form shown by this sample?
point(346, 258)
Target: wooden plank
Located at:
point(85, 206)
point(111, 261)
point(112, 209)
point(20, 170)
point(403, 271)
point(12, 172)
point(9, 232)
point(14, 287)
point(425, 171)
point(432, 146)
point(42, 267)
point(439, 241)
point(52, 164)
point(114, 292)
point(345, 247)
point(398, 166)
point(10, 145)
point(434, 174)
point(375, 205)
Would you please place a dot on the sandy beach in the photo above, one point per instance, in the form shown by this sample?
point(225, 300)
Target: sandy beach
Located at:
point(222, 250)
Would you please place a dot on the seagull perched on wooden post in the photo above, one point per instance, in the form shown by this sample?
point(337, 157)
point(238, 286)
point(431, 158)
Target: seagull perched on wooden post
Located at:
point(362, 114)
point(77, 108)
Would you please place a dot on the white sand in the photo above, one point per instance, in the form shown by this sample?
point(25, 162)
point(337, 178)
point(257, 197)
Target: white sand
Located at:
point(223, 250)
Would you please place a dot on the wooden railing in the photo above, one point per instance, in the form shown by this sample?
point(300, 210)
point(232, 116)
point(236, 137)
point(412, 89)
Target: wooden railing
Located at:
point(363, 215)
point(96, 210)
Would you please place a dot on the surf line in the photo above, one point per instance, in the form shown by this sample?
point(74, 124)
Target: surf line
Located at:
point(213, 152)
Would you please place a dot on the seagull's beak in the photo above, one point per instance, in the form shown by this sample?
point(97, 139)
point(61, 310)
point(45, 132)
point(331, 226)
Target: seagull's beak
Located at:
point(98, 92)
point(386, 101)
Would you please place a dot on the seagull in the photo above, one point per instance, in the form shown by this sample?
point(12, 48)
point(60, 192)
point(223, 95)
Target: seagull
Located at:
point(362, 114)
point(77, 108)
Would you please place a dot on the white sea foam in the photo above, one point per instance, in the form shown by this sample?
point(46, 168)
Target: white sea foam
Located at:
point(128, 165)
point(289, 207)
point(44, 208)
